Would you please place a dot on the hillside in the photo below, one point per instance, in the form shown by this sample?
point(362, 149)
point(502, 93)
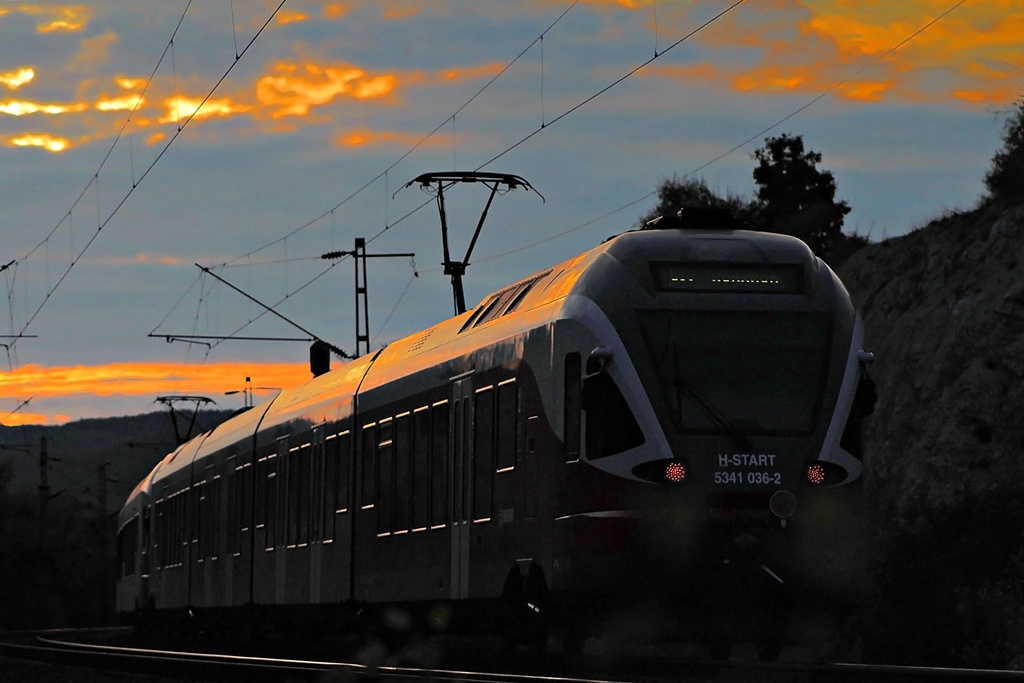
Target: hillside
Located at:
point(132, 446)
point(944, 312)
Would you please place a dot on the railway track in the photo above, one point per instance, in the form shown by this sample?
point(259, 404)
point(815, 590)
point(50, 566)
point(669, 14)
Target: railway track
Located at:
point(95, 655)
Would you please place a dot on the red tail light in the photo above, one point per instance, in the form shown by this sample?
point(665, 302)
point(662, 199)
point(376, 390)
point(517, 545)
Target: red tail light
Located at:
point(816, 474)
point(675, 472)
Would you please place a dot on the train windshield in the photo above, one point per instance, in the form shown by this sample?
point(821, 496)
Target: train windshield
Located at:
point(739, 372)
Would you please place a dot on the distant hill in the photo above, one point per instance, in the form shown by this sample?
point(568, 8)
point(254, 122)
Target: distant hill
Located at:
point(132, 446)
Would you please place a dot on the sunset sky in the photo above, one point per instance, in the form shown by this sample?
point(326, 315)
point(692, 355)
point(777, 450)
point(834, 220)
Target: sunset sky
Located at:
point(263, 136)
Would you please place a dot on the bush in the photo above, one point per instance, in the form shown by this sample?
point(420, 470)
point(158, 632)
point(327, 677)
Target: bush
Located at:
point(1005, 178)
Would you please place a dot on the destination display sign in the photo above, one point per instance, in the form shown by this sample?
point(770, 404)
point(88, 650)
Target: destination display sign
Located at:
point(735, 278)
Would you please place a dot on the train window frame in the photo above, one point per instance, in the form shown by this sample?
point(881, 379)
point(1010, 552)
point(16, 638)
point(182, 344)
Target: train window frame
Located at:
point(346, 478)
point(420, 460)
point(485, 401)
point(214, 507)
point(402, 449)
point(506, 445)
point(385, 470)
point(331, 473)
point(241, 503)
point(439, 427)
point(368, 467)
point(232, 522)
point(273, 500)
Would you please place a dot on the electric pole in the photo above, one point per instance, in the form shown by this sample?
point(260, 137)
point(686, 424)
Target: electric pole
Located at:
point(360, 256)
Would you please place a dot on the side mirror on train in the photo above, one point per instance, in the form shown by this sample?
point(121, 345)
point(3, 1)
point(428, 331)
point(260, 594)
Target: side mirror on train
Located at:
point(597, 361)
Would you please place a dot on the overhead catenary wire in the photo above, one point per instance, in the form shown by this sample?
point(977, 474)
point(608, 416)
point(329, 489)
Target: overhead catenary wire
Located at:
point(383, 174)
point(546, 124)
point(739, 146)
point(451, 118)
point(94, 180)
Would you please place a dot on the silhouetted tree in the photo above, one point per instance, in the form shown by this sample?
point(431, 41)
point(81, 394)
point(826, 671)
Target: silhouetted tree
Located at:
point(796, 197)
point(675, 194)
point(1005, 178)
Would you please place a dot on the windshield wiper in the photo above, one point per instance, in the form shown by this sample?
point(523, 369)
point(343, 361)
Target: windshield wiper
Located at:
point(684, 388)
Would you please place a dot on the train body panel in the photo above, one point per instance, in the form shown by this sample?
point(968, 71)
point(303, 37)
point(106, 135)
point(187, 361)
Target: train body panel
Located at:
point(597, 430)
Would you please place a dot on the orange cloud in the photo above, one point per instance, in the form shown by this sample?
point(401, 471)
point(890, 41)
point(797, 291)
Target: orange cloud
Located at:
point(182, 108)
point(16, 108)
point(123, 103)
point(396, 13)
point(48, 142)
point(59, 18)
point(16, 79)
point(18, 419)
point(138, 259)
point(296, 92)
point(139, 379)
point(336, 10)
point(129, 83)
point(288, 17)
point(365, 137)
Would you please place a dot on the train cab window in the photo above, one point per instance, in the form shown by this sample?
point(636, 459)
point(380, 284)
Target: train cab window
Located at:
point(385, 479)
point(720, 359)
point(439, 465)
point(403, 473)
point(573, 385)
point(508, 423)
point(483, 455)
point(420, 469)
point(611, 426)
point(368, 467)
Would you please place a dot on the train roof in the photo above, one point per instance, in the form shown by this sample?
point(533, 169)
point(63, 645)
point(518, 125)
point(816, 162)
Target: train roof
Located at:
point(531, 302)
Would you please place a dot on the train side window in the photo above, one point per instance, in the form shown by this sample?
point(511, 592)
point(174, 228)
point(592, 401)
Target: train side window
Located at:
point(403, 472)
point(213, 526)
point(244, 502)
point(573, 404)
point(420, 469)
point(232, 530)
point(194, 500)
point(344, 472)
point(331, 473)
point(270, 522)
point(157, 549)
point(178, 530)
point(508, 418)
point(368, 467)
point(439, 465)
point(261, 493)
point(483, 455)
point(291, 495)
point(298, 494)
point(385, 479)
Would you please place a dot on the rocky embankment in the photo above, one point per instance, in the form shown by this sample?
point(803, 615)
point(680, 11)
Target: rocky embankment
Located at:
point(944, 312)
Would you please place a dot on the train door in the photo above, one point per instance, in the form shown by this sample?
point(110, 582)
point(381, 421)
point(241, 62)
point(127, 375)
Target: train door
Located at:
point(460, 483)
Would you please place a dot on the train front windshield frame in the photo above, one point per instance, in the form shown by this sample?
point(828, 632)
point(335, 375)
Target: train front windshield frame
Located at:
point(749, 372)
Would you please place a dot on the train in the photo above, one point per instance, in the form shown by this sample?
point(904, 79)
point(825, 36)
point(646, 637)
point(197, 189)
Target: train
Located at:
point(664, 427)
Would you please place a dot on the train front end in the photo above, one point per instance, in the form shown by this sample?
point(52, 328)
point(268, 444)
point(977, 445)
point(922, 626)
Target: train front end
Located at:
point(728, 375)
